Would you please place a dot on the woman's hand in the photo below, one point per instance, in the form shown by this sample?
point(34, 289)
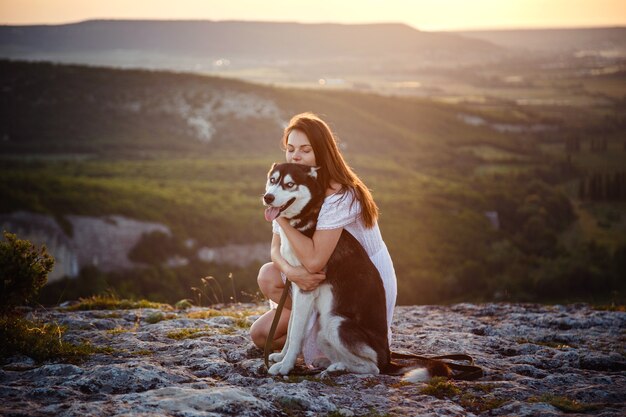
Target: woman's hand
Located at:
point(305, 280)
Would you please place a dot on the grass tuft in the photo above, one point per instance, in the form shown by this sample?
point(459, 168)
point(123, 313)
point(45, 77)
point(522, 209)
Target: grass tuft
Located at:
point(242, 323)
point(208, 313)
point(611, 307)
point(108, 302)
point(566, 404)
point(479, 403)
point(188, 333)
point(441, 388)
point(400, 384)
point(119, 330)
point(40, 341)
point(204, 314)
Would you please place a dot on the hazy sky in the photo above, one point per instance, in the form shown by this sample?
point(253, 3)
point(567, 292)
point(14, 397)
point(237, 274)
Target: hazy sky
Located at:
point(421, 14)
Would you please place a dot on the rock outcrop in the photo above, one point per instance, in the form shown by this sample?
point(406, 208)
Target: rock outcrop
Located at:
point(539, 361)
point(105, 242)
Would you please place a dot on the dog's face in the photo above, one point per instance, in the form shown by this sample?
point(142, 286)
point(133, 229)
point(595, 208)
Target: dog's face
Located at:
point(289, 188)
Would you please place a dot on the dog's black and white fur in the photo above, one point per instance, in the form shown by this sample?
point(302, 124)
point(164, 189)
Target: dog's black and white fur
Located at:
point(351, 304)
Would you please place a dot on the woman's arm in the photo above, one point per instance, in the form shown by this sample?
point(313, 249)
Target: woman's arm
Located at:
point(305, 280)
point(315, 252)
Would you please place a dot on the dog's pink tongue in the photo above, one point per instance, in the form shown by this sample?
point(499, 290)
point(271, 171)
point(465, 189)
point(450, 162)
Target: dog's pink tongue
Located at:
point(271, 213)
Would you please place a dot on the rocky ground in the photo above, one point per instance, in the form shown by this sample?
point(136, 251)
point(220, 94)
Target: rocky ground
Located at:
point(539, 361)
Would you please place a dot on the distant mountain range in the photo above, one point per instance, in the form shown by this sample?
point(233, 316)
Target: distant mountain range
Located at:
point(365, 56)
point(257, 40)
point(555, 40)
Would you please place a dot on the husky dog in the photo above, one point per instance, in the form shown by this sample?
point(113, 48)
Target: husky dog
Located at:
point(350, 301)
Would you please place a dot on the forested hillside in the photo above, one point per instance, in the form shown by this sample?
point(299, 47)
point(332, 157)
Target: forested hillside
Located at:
point(469, 211)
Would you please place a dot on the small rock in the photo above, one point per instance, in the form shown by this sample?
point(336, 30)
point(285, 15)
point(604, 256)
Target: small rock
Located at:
point(19, 363)
point(522, 409)
point(529, 370)
point(600, 362)
point(479, 331)
point(213, 368)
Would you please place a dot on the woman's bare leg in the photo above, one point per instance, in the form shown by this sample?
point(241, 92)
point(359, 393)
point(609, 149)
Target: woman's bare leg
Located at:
point(271, 285)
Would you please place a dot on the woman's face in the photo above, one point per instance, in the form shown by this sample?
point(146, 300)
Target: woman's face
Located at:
point(299, 149)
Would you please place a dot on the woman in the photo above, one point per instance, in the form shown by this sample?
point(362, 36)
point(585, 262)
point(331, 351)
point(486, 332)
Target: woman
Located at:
point(308, 140)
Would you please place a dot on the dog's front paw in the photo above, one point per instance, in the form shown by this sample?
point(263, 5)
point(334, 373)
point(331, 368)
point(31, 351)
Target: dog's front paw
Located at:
point(280, 368)
point(276, 357)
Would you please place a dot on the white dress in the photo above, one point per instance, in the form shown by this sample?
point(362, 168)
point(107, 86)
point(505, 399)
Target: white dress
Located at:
point(343, 210)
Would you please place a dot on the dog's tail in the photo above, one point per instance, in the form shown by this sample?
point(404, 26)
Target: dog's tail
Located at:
point(433, 368)
point(424, 373)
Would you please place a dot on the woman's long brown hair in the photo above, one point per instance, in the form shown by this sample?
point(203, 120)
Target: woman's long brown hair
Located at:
point(331, 162)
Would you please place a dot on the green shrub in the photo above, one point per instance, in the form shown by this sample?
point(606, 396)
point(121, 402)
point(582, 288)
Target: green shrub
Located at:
point(23, 271)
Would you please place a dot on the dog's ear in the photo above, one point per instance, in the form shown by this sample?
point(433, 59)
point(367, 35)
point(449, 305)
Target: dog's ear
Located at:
point(313, 172)
point(271, 169)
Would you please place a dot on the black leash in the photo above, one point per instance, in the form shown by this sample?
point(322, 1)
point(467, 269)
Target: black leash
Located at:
point(460, 372)
point(270, 337)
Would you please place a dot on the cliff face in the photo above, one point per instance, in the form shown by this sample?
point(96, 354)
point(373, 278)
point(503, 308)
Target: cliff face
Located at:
point(102, 242)
point(184, 366)
point(105, 242)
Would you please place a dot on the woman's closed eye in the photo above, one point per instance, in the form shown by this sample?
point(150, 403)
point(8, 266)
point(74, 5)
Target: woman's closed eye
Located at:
point(306, 149)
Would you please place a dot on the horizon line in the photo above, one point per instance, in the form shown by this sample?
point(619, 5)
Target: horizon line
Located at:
point(470, 29)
